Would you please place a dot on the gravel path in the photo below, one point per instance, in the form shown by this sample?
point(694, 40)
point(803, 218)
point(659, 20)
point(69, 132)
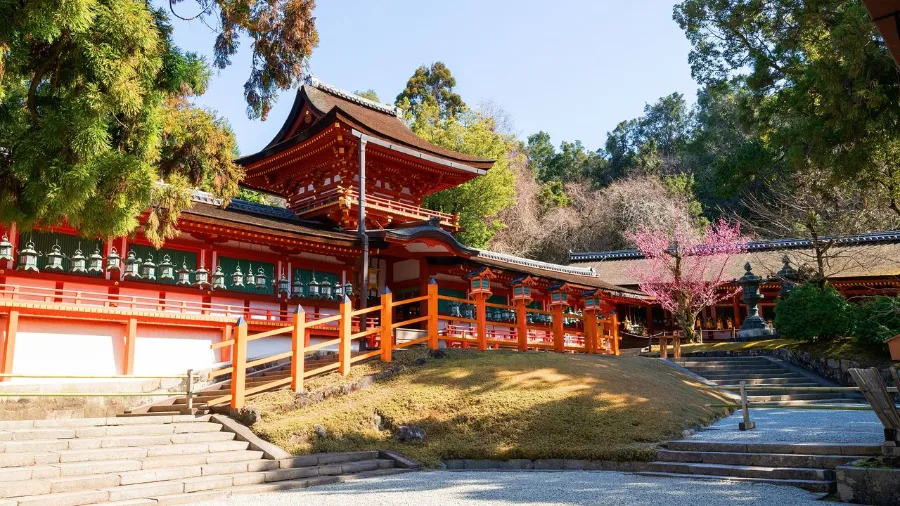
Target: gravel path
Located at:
point(798, 426)
point(530, 489)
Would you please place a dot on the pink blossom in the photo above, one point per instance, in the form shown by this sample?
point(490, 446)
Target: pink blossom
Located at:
point(684, 270)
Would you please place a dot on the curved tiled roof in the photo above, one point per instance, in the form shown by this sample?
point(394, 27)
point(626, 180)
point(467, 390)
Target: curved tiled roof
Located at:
point(889, 236)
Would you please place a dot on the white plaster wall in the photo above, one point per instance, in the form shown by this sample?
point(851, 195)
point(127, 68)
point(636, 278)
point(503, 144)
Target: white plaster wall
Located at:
point(172, 350)
point(407, 269)
point(46, 346)
point(194, 302)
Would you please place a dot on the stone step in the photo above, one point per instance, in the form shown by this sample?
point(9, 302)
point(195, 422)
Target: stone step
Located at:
point(823, 403)
point(62, 456)
point(736, 367)
point(772, 371)
point(185, 485)
point(780, 380)
point(18, 425)
point(821, 486)
point(857, 450)
point(725, 363)
point(738, 471)
point(806, 396)
point(756, 459)
point(736, 378)
point(117, 435)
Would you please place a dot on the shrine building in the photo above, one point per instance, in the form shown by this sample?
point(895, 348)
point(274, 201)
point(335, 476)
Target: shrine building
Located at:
point(353, 178)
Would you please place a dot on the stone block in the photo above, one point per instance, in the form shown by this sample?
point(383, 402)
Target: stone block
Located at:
point(143, 490)
point(301, 461)
point(207, 483)
point(73, 483)
point(66, 499)
point(162, 474)
point(868, 485)
point(549, 464)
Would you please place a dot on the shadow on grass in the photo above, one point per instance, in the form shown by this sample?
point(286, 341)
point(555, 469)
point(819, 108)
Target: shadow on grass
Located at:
point(509, 405)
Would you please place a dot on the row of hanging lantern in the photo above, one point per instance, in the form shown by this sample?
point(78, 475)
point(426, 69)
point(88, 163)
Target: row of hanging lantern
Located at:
point(136, 268)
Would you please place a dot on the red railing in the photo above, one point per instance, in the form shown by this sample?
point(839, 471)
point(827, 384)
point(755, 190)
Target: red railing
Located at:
point(335, 195)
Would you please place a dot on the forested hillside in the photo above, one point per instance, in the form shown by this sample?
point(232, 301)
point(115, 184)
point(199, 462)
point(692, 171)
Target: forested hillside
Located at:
point(794, 133)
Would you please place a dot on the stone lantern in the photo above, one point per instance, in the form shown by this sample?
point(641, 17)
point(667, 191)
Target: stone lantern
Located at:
point(753, 327)
point(788, 276)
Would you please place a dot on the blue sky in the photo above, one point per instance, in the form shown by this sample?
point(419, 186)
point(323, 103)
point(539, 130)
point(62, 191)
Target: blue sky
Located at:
point(571, 68)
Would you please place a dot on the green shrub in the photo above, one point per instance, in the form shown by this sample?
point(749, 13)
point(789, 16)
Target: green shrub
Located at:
point(812, 312)
point(877, 319)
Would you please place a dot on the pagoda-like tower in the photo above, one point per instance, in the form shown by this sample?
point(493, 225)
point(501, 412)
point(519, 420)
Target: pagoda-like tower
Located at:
point(314, 163)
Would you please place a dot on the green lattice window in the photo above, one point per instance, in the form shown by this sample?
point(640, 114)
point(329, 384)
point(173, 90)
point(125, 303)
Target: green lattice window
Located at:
point(176, 257)
point(68, 243)
point(230, 265)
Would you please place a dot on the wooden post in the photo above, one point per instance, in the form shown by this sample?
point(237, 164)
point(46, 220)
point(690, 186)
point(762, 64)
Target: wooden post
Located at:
point(522, 325)
point(736, 307)
point(432, 314)
point(345, 329)
point(591, 332)
point(481, 320)
point(559, 339)
point(299, 350)
point(239, 364)
point(9, 345)
point(130, 338)
point(614, 335)
point(663, 346)
point(225, 351)
point(387, 320)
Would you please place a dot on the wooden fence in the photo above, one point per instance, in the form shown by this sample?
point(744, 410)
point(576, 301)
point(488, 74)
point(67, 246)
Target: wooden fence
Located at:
point(585, 333)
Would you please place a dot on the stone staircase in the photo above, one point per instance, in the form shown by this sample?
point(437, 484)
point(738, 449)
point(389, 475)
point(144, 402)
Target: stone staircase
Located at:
point(808, 466)
point(157, 460)
point(760, 372)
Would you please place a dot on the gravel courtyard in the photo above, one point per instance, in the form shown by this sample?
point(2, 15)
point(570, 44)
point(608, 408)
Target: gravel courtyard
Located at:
point(798, 426)
point(529, 489)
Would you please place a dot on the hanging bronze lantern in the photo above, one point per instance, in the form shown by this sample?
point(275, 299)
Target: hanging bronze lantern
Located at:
point(54, 260)
point(250, 278)
point(337, 291)
point(284, 286)
point(113, 261)
point(297, 287)
point(325, 290)
point(166, 269)
point(96, 266)
point(348, 289)
point(237, 278)
point(184, 275)
point(201, 277)
point(132, 266)
point(313, 289)
point(261, 280)
point(28, 258)
point(6, 249)
point(148, 269)
point(218, 279)
point(79, 263)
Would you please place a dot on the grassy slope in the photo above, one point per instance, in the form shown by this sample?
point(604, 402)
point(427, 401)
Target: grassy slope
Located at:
point(503, 405)
point(843, 348)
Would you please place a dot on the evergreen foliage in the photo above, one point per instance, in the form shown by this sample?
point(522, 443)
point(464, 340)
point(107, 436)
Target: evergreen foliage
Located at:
point(877, 319)
point(95, 120)
point(814, 312)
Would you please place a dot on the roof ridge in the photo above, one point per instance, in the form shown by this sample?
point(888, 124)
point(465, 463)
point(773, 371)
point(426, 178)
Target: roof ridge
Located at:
point(353, 97)
point(581, 271)
point(886, 236)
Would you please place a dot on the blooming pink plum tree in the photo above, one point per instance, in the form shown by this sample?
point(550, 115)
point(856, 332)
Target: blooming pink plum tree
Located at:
point(685, 270)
